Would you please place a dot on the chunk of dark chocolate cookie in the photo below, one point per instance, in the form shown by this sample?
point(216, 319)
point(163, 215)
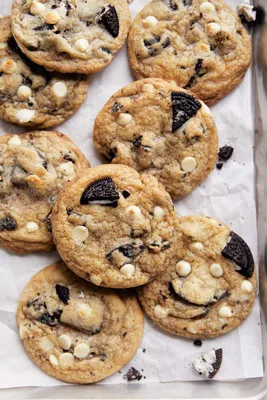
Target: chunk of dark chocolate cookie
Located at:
point(184, 107)
point(109, 18)
point(8, 224)
point(63, 293)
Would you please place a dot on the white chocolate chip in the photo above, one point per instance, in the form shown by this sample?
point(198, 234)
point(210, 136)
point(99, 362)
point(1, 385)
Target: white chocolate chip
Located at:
point(80, 234)
point(148, 87)
point(46, 344)
point(246, 286)
point(127, 270)
point(216, 270)
point(196, 246)
point(37, 8)
point(81, 45)
point(188, 164)
point(65, 342)
point(133, 211)
point(84, 311)
point(32, 227)
point(191, 329)
point(25, 115)
point(225, 312)
point(66, 360)
point(212, 29)
point(60, 89)
point(150, 22)
point(160, 312)
point(52, 17)
point(95, 279)
point(158, 212)
point(23, 332)
point(9, 66)
point(66, 169)
point(3, 46)
point(205, 109)
point(53, 360)
point(125, 119)
point(183, 268)
point(81, 350)
point(206, 7)
point(14, 141)
point(24, 93)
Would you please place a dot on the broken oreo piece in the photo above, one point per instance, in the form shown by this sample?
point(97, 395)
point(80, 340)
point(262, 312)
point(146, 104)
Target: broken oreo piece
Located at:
point(8, 224)
point(238, 251)
point(198, 343)
point(188, 3)
point(184, 107)
point(225, 153)
point(126, 194)
point(133, 375)
point(116, 107)
point(50, 319)
point(63, 293)
point(101, 192)
point(129, 251)
point(47, 221)
point(219, 165)
point(109, 18)
point(209, 363)
point(150, 42)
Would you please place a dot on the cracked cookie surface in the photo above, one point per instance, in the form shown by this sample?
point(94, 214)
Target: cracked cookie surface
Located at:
point(201, 45)
point(159, 129)
point(30, 95)
point(210, 286)
point(34, 167)
point(80, 36)
point(75, 331)
point(114, 227)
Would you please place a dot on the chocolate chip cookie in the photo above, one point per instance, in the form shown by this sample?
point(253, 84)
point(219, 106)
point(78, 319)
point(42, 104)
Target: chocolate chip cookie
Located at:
point(80, 36)
point(160, 129)
point(75, 331)
point(114, 227)
point(199, 44)
point(30, 95)
point(34, 167)
point(209, 288)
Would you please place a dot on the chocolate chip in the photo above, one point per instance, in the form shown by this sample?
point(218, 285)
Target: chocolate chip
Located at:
point(63, 293)
point(116, 107)
point(126, 194)
point(50, 319)
point(124, 334)
point(109, 18)
point(225, 152)
point(133, 375)
point(198, 343)
point(102, 192)
point(217, 364)
point(184, 107)
point(8, 224)
point(238, 251)
point(219, 165)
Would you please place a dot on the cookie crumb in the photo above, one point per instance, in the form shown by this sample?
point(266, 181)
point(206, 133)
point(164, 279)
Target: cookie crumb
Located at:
point(144, 350)
point(219, 165)
point(198, 343)
point(133, 375)
point(225, 153)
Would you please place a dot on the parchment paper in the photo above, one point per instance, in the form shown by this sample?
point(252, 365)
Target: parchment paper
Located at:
point(227, 195)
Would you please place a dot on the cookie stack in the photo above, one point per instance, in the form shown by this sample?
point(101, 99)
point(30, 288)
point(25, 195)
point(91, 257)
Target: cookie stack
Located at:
point(115, 225)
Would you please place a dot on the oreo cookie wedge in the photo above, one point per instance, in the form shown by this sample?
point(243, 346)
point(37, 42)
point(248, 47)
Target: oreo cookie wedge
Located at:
point(184, 107)
point(209, 363)
point(109, 18)
point(101, 192)
point(238, 251)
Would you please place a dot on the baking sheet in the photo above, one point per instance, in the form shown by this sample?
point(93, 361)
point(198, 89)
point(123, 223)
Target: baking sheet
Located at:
point(227, 195)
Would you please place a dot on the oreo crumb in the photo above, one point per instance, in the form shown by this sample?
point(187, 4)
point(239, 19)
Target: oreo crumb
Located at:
point(225, 153)
point(219, 165)
point(133, 375)
point(144, 350)
point(198, 343)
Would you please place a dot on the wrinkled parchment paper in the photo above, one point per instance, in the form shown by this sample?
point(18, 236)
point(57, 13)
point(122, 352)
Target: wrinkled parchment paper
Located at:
point(227, 195)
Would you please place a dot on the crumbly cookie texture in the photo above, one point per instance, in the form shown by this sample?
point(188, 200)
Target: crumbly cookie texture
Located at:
point(30, 95)
point(159, 129)
point(209, 288)
point(80, 36)
point(75, 331)
point(34, 167)
point(114, 227)
point(201, 45)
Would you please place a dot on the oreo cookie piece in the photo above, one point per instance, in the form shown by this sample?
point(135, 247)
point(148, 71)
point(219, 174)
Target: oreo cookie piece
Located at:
point(101, 192)
point(8, 224)
point(63, 293)
point(225, 153)
point(109, 18)
point(125, 253)
point(238, 251)
point(209, 363)
point(184, 107)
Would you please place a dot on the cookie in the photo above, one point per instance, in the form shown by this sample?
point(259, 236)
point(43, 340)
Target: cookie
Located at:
point(34, 167)
point(209, 288)
point(30, 95)
point(160, 129)
point(201, 45)
point(75, 331)
point(71, 36)
point(114, 227)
